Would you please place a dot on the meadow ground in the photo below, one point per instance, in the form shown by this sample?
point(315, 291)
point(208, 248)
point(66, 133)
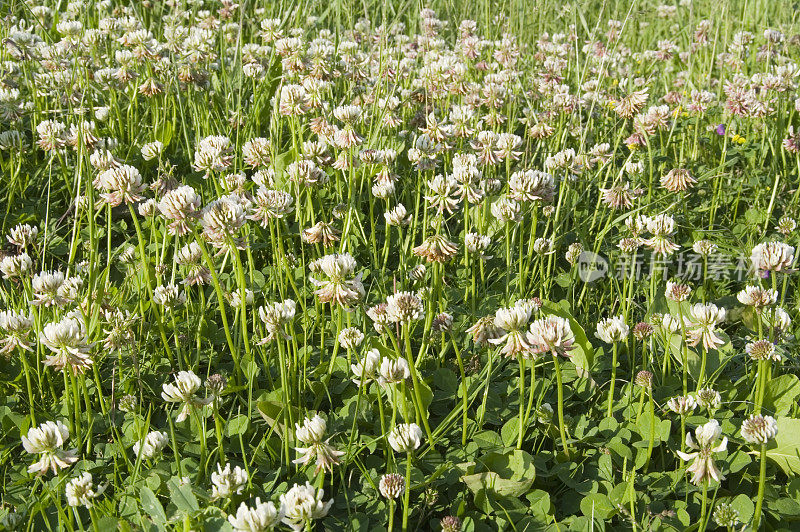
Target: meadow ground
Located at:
point(461, 265)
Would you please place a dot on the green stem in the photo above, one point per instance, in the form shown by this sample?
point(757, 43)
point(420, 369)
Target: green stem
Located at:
point(702, 525)
point(407, 493)
point(521, 402)
point(613, 379)
point(760, 497)
point(561, 428)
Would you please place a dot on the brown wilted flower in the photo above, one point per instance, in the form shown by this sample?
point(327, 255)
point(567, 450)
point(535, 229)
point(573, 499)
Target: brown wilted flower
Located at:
point(677, 180)
point(436, 248)
point(321, 232)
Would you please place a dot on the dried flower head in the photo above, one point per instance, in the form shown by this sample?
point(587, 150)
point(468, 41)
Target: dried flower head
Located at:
point(642, 330)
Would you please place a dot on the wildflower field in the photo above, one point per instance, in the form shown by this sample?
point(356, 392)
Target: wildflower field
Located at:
point(365, 265)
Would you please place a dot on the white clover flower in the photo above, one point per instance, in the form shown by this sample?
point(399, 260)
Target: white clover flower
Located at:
point(169, 296)
point(227, 482)
point(49, 290)
point(52, 135)
point(180, 205)
point(682, 404)
point(47, 440)
point(551, 334)
point(397, 216)
point(152, 445)
point(256, 152)
point(677, 180)
point(302, 504)
point(14, 330)
point(15, 265)
point(340, 286)
point(477, 244)
point(612, 330)
point(392, 485)
point(120, 184)
point(261, 517)
point(271, 204)
point(350, 338)
point(236, 300)
point(404, 307)
point(393, 371)
point(275, 316)
point(661, 227)
point(147, 208)
point(772, 256)
point(708, 398)
point(312, 430)
point(726, 516)
point(23, 235)
point(531, 185)
point(436, 248)
point(759, 429)
point(183, 391)
point(506, 210)
point(405, 437)
point(68, 341)
point(704, 248)
point(366, 370)
point(222, 219)
point(80, 491)
point(311, 433)
point(293, 100)
point(672, 323)
point(778, 319)
point(677, 291)
point(762, 350)
point(703, 323)
point(757, 297)
point(703, 466)
point(103, 160)
point(152, 150)
point(513, 322)
point(212, 154)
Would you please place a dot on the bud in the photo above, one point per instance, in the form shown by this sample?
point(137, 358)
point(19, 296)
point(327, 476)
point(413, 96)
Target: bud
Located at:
point(216, 384)
point(642, 331)
point(127, 403)
point(644, 379)
point(451, 523)
point(726, 516)
point(442, 322)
